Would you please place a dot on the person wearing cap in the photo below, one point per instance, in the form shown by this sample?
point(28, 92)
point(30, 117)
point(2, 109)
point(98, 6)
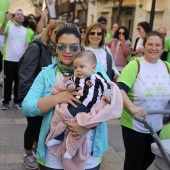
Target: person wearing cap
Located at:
point(76, 22)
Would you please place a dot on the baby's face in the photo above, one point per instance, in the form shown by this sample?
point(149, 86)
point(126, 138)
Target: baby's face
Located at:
point(83, 67)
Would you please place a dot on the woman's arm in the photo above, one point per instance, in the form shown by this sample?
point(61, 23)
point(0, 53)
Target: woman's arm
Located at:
point(109, 43)
point(131, 107)
point(45, 104)
point(40, 24)
point(39, 100)
point(126, 47)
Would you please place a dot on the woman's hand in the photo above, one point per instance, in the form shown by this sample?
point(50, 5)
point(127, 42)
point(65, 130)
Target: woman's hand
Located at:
point(138, 111)
point(45, 104)
point(115, 78)
point(68, 97)
point(75, 129)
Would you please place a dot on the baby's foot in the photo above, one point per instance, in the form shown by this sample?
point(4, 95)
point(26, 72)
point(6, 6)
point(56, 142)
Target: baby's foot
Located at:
point(53, 142)
point(67, 155)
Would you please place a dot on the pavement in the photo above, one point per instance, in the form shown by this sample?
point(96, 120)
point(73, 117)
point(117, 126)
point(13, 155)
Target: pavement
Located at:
point(12, 127)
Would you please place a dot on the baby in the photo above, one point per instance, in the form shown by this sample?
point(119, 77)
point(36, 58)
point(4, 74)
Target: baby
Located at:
point(94, 87)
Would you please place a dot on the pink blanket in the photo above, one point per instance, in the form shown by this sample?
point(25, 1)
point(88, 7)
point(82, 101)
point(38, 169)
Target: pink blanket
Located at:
point(102, 112)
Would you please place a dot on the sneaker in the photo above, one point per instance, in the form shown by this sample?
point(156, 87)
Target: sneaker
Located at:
point(5, 106)
point(17, 105)
point(34, 152)
point(30, 162)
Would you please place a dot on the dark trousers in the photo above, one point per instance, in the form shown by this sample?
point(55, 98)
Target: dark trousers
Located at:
point(138, 155)
point(32, 131)
point(46, 168)
point(1, 56)
point(73, 111)
point(10, 76)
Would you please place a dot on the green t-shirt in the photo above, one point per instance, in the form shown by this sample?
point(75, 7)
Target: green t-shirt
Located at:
point(149, 89)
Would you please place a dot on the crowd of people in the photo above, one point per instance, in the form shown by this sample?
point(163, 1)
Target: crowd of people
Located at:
point(70, 78)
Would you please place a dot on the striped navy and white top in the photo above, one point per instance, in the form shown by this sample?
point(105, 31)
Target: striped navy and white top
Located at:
point(92, 88)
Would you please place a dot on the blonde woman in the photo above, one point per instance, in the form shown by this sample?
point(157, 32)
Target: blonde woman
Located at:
point(94, 41)
point(40, 53)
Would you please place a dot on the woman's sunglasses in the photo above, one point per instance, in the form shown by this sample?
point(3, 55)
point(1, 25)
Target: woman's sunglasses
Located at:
point(121, 33)
point(63, 47)
point(82, 32)
point(93, 33)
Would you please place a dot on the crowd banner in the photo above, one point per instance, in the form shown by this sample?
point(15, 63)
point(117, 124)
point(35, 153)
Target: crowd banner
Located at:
point(51, 8)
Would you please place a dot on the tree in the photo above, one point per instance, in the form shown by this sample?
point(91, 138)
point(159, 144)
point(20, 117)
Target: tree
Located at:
point(37, 5)
point(119, 8)
point(84, 5)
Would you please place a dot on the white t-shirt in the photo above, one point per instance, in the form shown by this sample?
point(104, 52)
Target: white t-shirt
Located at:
point(2, 38)
point(140, 45)
point(15, 42)
point(149, 90)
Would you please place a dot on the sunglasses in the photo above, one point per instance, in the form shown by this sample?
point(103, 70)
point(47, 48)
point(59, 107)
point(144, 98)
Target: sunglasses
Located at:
point(19, 14)
point(121, 33)
point(82, 32)
point(93, 33)
point(63, 47)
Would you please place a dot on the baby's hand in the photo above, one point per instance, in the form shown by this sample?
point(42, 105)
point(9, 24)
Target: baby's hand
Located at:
point(71, 87)
point(106, 98)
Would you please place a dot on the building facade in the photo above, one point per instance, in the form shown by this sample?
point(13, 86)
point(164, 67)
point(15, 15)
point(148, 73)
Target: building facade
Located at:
point(88, 11)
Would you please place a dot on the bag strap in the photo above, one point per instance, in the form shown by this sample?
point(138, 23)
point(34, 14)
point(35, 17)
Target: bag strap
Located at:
point(138, 66)
point(109, 63)
point(167, 67)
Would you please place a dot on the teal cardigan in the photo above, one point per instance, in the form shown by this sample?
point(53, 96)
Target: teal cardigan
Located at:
point(41, 88)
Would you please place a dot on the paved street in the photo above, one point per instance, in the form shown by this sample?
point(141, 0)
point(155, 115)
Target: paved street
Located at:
point(12, 126)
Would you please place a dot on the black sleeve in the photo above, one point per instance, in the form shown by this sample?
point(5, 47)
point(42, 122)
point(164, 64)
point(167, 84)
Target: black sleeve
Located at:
point(164, 56)
point(136, 41)
point(28, 68)
point(123, 86)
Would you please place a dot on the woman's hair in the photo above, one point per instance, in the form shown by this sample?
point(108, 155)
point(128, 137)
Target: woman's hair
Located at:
point(83, 27)
point(89, 54)
point(44, 35)
point(153, 33)
point(92, 27)
point(126, 33)
point(68, 28)
point(145, 25)
point(100, 19)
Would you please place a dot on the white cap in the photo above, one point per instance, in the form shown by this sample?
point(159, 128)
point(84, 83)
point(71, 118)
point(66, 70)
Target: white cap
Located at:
point(76, 21)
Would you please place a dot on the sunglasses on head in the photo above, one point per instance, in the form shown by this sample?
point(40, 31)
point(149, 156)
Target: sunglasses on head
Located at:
point(93, 33)
point(121, 33)
point(63, 47)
